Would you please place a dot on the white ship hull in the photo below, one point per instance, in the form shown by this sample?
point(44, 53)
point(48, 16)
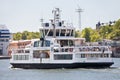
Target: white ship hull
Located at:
point(55, 64)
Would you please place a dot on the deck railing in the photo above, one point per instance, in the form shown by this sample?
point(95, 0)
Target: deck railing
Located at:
point(101, 49)
point(20, 51)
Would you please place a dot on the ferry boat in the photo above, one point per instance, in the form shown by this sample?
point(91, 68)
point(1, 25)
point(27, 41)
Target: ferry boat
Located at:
point(58, 48)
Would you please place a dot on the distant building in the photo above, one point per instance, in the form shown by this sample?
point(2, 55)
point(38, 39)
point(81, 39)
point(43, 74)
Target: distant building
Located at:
point(116, 49)
point(5, 37)
point(17, 44)
point(99, 24)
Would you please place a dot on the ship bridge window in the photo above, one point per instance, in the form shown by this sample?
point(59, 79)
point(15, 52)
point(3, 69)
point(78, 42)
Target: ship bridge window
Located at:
point(57, 32)
point(46, 31)
point(72, 33)
point(46, 24)
point(62, 32)
point(36, 43)
point(60, 23)
point(63, 56)
point(66, 43)
point(50, 33)
point(68, 32)
point(47, 43)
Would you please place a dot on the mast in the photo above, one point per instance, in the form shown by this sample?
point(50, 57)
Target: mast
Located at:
point(56, 20)
point(41, 20)
point(42, 33)
point(79, 10)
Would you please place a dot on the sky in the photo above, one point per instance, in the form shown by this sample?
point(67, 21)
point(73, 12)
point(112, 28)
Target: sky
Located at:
point(21, 15)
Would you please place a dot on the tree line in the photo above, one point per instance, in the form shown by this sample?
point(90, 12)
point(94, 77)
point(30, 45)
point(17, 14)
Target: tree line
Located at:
point(108, 31)
point(25, 35)
point(92, 35)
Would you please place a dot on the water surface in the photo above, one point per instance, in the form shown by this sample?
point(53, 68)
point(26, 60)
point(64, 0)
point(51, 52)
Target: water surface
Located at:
point(7, 73)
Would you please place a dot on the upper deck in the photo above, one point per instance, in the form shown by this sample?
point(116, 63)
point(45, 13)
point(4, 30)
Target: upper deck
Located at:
point(56, 27)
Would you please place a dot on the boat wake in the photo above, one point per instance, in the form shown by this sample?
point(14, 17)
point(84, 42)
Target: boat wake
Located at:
point(112, 70)
point(12, 68)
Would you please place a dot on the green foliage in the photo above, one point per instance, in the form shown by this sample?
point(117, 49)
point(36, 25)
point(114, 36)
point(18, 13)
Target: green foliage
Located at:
point(110, 32)
point(115, 34)
point(105, 31)
point(94, 36)
point(17, 36)
point(25, 35)
point(117, 25)
point(90, 35)
point(86, 34)
point(77, 34)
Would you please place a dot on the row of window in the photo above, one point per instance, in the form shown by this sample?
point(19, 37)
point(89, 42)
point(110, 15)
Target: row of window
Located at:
point(5, 33)
point(4, 36)
point(94, 55)
point(4, 30)
point(49, 24)
point(41, 54)
point(63, 50)
point(21, 57)
point(42, 43)
point(63, 57)
point(4, 40)
point(94, 49)
point(22, 51)
point(62, 32)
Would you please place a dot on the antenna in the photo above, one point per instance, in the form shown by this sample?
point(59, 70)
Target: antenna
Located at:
point(56, 13)
point(41, 20)
point(79, 10)
point(56, 19)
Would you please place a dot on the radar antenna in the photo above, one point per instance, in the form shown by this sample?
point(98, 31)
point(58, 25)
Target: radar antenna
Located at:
point(56, 19)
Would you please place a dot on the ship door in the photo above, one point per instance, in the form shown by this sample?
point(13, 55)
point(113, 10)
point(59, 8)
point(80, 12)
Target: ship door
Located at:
point(42, 55)
point(1, 51)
